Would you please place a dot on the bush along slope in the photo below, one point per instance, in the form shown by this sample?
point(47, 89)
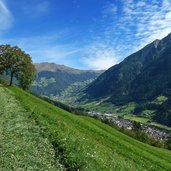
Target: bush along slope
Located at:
point(72, 142)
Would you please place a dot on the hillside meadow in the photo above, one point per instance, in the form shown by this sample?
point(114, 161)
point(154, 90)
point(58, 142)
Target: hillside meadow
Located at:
point(36, 135)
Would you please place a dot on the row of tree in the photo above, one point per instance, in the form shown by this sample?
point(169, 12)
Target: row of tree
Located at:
point(17, 64)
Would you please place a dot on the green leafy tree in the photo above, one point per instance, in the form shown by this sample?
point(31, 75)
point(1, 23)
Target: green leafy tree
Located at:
point(16, 63)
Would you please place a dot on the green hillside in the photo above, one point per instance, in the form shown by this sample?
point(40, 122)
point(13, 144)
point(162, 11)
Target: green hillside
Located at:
point(35, 135)
point(52, 79)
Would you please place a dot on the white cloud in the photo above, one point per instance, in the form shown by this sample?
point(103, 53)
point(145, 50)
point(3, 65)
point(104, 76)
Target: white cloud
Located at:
point(141, 4)
point(100, 58)
point(136, 24)
point(111, 8)
point(58, 54)
point(46, 48)
point(127, 26)
point(5, 16)
point(154, 22)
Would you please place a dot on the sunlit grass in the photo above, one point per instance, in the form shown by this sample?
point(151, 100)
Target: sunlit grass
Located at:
point(22, 147)
point(83, 143)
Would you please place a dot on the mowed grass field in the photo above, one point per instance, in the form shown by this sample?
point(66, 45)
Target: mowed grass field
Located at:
point(22, 147)
point(50, 138)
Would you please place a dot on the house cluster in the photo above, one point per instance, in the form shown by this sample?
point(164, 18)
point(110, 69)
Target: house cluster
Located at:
point(153, 131)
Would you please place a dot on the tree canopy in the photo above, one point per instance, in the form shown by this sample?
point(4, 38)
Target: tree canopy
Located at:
point(16, 63)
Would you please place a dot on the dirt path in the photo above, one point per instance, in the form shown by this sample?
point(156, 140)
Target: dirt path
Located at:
point(22, 146)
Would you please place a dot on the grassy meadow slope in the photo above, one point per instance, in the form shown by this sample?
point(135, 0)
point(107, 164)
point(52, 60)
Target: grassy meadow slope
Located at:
point(21, 144)
point(77, 142)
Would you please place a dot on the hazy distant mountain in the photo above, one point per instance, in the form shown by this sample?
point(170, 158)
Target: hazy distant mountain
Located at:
point(52, 79)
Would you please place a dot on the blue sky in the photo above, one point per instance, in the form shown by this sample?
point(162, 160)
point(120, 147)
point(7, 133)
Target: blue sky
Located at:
point(84, 34)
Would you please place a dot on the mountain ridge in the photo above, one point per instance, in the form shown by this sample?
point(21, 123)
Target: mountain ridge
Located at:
point(53, 79)
point(53, 67)
point(120, 76)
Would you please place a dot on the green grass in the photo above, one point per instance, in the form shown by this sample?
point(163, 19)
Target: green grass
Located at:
point(99, 107)
point(145, 121)
point(83, 143)
point(106, 107)
point(161, 126)
point(22, 147)
point(160, 99)
point(135, 118)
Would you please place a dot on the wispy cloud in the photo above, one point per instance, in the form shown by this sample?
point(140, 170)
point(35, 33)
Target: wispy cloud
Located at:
point(110, 8)
point(125, 26)
point(46, 48)
point(5, 16)
point(141, 22)
point(146, 20)
point(129, 26)
point(99, 56)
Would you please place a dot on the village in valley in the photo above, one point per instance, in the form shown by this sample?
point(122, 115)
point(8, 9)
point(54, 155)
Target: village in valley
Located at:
point(115, 120)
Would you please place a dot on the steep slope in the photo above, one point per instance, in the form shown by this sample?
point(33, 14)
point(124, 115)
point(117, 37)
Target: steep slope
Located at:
point(52, 79)
point(82, 143)
point(22, 145)
point(143, 75)
point(154, 79)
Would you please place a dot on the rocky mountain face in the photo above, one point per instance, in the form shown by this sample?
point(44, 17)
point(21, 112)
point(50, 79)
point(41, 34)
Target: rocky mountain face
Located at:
point(52, 79)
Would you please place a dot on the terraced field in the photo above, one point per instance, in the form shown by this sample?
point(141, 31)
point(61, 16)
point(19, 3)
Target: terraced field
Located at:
point(36, 135)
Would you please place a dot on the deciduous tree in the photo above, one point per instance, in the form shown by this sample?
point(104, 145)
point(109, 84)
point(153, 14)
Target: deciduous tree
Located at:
point(16, 63)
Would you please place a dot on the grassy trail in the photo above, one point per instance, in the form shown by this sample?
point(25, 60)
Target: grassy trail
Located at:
point(22, 146)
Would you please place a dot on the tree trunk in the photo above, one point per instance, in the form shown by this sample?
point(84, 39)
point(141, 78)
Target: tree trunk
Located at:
point(11, 79)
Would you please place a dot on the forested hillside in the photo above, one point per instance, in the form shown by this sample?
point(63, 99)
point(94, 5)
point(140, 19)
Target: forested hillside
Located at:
point(141, 77)
point(53, 79)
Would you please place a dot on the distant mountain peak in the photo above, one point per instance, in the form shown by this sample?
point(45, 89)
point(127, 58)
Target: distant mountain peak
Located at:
point(53, 67)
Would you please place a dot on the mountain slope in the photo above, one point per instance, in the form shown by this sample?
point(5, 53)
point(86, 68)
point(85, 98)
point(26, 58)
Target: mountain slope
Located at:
point(81, 143)
point(137, 77)
point(52, 79)
point(21, 144)
point(155, 78)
